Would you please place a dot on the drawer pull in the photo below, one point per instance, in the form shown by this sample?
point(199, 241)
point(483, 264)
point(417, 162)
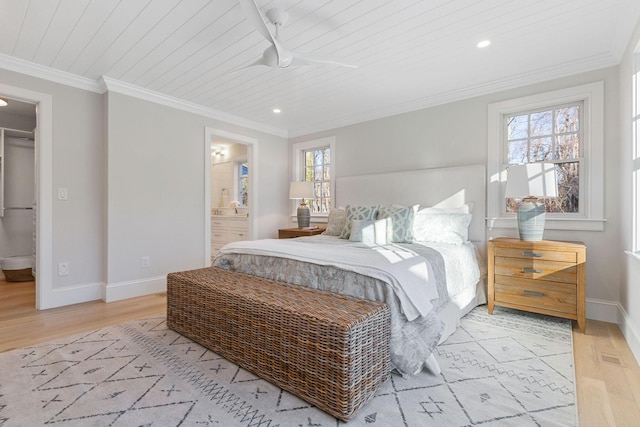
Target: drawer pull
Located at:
point(533, 293)
point(532, 254)
point(530, 270)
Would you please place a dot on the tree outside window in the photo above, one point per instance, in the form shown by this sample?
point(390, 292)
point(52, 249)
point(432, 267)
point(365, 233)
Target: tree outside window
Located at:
point(317, 167)
point(550, 135)
point(243, 180)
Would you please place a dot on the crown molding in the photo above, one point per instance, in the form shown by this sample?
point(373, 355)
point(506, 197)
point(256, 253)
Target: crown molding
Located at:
point(113, 85)
point(523, 79)
point(32, 69)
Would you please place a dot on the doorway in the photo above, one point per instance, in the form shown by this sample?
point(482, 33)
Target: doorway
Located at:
point(43, 136)
point(229, 151)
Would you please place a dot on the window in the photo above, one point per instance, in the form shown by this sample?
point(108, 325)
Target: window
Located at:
point(564, 127)
point(243, 183)
point(317, 162)
point(551, 135)
point(314, 161)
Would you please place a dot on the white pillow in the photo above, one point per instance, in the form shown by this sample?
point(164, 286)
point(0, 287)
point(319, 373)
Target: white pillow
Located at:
point(466, 208)
point(335, 223)
point(361, 213)
point(369, 232)
point(450, 228)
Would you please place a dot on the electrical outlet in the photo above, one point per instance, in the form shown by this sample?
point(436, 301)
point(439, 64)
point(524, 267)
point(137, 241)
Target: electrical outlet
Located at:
point(63, 269)
point(146, 262)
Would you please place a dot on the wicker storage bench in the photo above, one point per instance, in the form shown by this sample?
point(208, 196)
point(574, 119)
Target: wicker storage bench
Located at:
point(328, 349)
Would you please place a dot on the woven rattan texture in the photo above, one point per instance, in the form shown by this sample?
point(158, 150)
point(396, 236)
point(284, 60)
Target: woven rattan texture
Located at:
point(328, 349)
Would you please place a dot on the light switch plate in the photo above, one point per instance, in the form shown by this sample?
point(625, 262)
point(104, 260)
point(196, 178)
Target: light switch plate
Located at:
point(63, 194)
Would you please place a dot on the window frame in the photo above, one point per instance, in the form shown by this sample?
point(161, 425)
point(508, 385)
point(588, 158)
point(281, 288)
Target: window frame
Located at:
point(297, 152)
point(590, 216)
point(635, 154)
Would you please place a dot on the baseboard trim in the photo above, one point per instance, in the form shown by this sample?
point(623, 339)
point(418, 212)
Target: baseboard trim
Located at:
point(631, 332)
point(134, 288)
point(603, 310)
point(73, 295)
point(613, 312)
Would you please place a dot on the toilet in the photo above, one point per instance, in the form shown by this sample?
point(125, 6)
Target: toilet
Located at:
point(17, 268)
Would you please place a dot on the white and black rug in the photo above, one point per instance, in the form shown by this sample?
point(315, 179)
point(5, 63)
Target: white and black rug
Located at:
point(511, 368)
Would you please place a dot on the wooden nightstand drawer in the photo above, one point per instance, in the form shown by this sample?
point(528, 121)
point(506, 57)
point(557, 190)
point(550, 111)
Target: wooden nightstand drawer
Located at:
point(536, 269)
point(560, 297)
point(537, 254)
point(545, 277)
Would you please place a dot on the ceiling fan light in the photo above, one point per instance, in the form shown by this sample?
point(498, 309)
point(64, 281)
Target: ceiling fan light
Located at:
point(270, 57)
point(3, 102)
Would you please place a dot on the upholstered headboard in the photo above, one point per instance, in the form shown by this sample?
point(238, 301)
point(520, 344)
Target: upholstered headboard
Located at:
point(439, 187)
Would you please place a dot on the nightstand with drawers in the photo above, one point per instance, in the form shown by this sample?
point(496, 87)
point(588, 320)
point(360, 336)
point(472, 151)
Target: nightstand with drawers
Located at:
point(290, 233)
point(546, 277)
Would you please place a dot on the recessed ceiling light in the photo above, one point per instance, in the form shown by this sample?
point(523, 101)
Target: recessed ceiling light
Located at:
point(3, 102)
point(484, 43)
point(277, 111)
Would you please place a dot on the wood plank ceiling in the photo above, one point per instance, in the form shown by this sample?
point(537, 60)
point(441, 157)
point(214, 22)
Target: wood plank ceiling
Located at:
point(411, 53)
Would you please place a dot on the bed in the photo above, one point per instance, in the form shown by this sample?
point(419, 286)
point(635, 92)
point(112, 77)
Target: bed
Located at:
point(428, 282)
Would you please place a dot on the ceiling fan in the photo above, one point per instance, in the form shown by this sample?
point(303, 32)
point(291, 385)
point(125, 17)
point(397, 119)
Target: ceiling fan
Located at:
point(276, 55)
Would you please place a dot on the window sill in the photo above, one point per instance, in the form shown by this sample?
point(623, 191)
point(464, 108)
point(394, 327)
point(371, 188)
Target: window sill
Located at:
point(633, 255)
point(314, 218)
point(568, 224)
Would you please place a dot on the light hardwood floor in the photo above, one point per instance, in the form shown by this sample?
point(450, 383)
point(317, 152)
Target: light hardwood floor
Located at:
point(607, 374)
point(22, 325)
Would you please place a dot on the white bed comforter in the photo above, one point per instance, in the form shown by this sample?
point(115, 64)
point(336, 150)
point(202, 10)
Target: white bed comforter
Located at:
point(410, 275)
point(410, 278)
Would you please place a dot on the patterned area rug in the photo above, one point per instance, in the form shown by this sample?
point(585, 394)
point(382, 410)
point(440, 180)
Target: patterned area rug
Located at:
point(511, 368)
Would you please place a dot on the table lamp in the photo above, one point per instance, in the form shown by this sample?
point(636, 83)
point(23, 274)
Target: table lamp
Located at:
point(302, 191)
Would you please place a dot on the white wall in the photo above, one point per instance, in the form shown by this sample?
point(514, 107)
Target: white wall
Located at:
point(19, 187)
point(155, 195)
point(630, 273)
point(222, 179)
point(456, 134)
point(78, 165)
point(134, 174)
point(14, 121)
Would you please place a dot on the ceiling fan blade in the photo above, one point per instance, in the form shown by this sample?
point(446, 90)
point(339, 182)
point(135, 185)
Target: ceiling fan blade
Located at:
point(255, 16)
point(253, 12)
point(308, 59)
point(257, 63)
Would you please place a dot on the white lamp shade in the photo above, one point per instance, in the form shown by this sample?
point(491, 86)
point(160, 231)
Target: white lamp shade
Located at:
point(301, 190)
point(531, 179)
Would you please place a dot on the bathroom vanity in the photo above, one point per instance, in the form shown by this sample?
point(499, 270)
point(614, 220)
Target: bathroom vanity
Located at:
point(227, 228)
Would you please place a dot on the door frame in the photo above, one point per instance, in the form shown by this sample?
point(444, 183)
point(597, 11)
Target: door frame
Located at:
point(252, 156)
point(44, 189)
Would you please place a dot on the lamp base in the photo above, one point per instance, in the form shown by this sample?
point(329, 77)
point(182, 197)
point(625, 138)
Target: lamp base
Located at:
point(531, 218)
point(304, 216)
